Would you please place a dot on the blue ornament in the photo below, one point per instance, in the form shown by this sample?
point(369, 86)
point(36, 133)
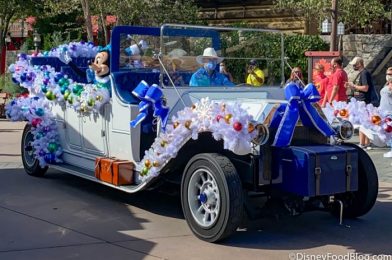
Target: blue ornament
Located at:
point(46, 53)
point(39, 111)
point(11, 68)
point(23, 77)
point(63, 89)
point(25, 108)
point(15, 80)
point(50, 158)
point(39, 135)
point(22, 56)
point(57, 77)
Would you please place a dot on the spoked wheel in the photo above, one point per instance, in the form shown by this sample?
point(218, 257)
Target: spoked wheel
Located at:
point(360, 202)
point(30, 163)
point(211, 197)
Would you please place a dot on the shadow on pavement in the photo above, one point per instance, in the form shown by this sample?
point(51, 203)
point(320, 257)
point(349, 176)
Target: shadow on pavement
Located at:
point(104, 213)
point(370, 234)
point(60, 212)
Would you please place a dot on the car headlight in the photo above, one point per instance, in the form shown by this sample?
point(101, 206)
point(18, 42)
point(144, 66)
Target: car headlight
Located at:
point(262, 134)
point(344, 129)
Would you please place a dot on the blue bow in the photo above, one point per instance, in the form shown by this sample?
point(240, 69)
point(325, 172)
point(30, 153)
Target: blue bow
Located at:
point(150, 96)
point(299, 106)
point(107, 48)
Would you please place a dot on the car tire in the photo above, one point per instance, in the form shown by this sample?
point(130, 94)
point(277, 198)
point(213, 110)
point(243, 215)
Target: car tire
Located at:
point(30, 163)
point(211, 197)
point(360, 202)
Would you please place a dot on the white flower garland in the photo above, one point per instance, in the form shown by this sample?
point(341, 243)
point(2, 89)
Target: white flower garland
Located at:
point(366, 115)
point(229, 123)
point(44, 81)
point(37, 112)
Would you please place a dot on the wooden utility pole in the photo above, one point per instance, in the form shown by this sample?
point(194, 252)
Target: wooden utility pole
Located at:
point(334, 14)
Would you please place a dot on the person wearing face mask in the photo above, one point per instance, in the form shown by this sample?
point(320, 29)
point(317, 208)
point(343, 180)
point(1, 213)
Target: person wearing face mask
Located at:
point(385, 108)
point(208, 75)
point(336, 89)
point(362, 88)
point(386, 93)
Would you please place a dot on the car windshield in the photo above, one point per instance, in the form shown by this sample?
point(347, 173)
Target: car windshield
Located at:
point(217, 56)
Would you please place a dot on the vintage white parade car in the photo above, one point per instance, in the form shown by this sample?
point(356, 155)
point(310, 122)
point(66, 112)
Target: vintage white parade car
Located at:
point(222, 145)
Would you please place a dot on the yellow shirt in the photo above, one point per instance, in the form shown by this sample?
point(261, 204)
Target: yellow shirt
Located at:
point(251, 79)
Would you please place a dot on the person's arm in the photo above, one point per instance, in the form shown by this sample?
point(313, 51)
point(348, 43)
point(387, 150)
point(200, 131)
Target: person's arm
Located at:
point(259, 75)
point(335, 87)
point(227, 82)
point(364, 86)
point(193, 81)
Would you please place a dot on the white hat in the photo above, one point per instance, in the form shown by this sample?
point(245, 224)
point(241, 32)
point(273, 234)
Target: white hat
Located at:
point(356, 60)
point(208, 54)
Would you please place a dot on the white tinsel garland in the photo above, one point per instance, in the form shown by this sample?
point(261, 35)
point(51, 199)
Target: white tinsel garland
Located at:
point(229, 123)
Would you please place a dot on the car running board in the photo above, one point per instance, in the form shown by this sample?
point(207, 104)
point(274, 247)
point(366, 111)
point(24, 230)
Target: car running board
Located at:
point(87, 174)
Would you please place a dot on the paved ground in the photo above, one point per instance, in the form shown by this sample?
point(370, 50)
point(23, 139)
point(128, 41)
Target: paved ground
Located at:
point(65, 217)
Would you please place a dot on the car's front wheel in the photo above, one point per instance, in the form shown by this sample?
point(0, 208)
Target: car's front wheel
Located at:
point(30, 162)
point(211, 196)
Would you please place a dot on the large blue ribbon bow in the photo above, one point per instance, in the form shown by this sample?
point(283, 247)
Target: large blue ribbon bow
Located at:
point(150, 97)
point(299, 106)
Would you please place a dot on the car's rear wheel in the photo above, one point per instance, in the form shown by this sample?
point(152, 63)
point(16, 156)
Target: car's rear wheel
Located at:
point(30, 162)
point(360, 202)
point(211, 197)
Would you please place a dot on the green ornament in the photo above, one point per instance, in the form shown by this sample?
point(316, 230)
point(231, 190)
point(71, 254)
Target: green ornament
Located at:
point(70, 100)
point(77, 88)
point(91, 102)
point(52, 147)
point(144, 171)
point(49, 95)
point(62, 81)
point(67, 94)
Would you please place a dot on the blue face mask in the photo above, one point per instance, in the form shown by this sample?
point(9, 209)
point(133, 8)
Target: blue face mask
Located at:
point(210, 66)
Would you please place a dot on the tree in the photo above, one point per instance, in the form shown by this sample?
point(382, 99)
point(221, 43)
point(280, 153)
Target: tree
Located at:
point(12, 9)
point(353, 13)
point(87, 19)
point(309, 9)
point(55, 7)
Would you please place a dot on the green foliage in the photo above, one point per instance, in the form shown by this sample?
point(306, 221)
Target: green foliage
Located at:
point(27, 45)
point(8, 86)
point(268, 47)
point(297, 45)
point(359, 13)
point(353, 13)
